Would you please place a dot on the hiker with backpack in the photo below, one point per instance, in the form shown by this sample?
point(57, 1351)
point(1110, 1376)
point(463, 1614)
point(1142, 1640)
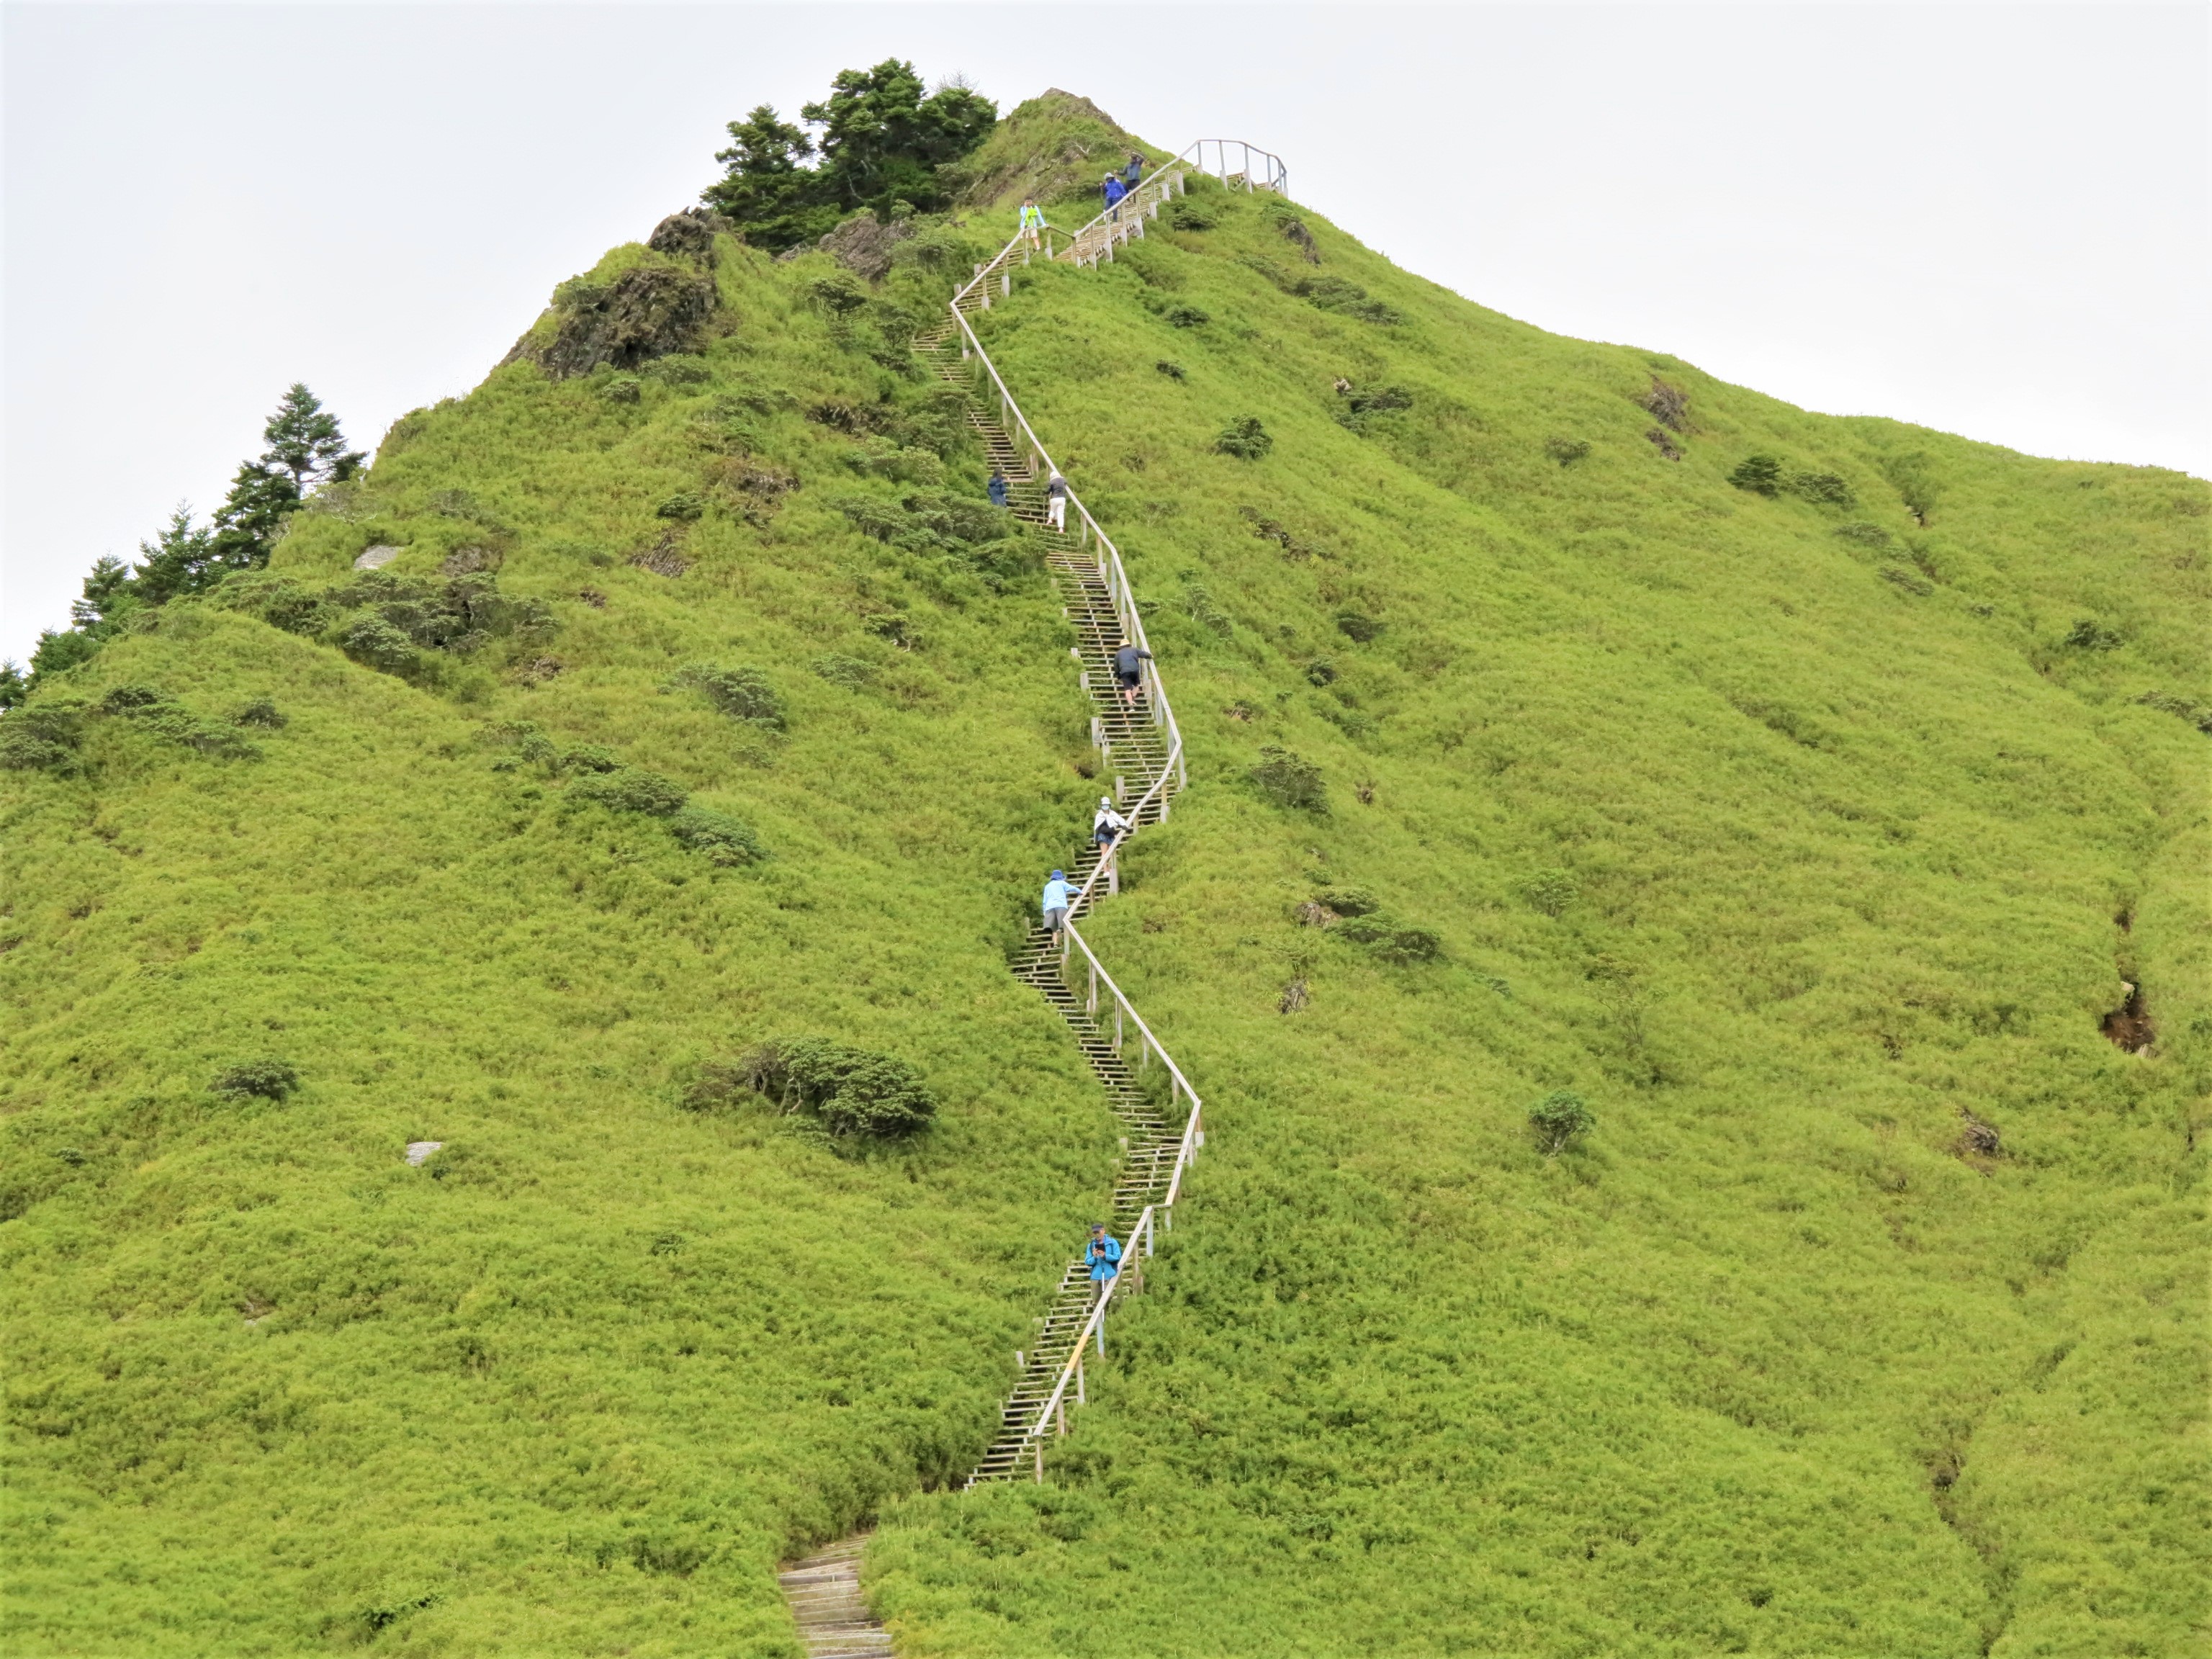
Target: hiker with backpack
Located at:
point(1055, 503)
point(1032, 224)
point(998, 488)
point(1128, 669)
point(1107, 825)
point(1058, 895)
point(1103, 1255)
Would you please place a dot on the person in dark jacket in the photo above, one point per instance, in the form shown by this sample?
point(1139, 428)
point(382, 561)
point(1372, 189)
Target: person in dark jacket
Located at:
point(1055, 503)
point(1134, 172)
point(1103, 1255)
point(998, 488)
point(1128, 669)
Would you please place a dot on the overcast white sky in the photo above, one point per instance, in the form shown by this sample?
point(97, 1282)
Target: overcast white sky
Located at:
point(1988, 218)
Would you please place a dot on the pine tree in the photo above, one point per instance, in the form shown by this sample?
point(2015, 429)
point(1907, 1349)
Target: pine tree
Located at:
point(304, 442)
point(181, 559)
point(767, 188)
point(883, 144)
point(252, 517)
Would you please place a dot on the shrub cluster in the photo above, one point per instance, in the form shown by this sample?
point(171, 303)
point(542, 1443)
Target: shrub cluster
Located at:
point(957, 531)
point(265, 1079)
point(49, 735)
point(1290, 779)
point(1561, 1119)
point(743, 694)
point(848, 1090)
point(1244, 438)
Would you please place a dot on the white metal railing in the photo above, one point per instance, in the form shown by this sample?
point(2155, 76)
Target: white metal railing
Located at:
point(1087, 246)
point(1256, 169)
point(1125, 220)
point(1144, 1233)
point(1090, 533)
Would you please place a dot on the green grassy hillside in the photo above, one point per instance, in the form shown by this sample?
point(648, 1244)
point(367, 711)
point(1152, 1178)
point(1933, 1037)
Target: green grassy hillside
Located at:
point(1809, 838)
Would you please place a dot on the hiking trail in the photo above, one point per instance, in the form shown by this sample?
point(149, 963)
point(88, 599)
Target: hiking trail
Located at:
point(1141, 751)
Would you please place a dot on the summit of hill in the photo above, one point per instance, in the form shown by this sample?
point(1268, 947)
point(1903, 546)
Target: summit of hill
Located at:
point(413, 1245)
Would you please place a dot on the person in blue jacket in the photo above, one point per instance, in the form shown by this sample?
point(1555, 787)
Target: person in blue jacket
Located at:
point(1102, 1254)
point(1057, 896)
point(1115, 190)
point(998, 488)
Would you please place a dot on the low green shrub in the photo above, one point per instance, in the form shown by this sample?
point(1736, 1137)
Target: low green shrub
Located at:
point(1759, 474)
point(1244, 438)
point(743, 694)
point(41, 737)
point(265, 1079)
point(1561, 1119)
point(1822, 489)
point(848, 672)
point(1551, 890)
point(1864, 534)
point(630, 790)
point(260, 712)
point(851, 1091)
point(1185, 317)
point(1359, 627)
point(1566, 451)
point(723, 839)
point(1172, 371)
point(1290, 779)
point(587, 757)
point(375, 643)
point(1348, 901)
point(1193, 213)
point(2087, 634)
point(684, 506)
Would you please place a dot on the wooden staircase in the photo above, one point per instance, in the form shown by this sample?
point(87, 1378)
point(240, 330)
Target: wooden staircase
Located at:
point(1133, 752)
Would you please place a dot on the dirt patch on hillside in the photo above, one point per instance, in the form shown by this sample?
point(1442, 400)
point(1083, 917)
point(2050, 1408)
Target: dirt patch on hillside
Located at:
point(2129, 1025)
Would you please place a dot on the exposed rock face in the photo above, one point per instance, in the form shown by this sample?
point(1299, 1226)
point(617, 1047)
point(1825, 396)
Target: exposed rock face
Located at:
point(647, 311)
point(863, 245)
point(689, 233)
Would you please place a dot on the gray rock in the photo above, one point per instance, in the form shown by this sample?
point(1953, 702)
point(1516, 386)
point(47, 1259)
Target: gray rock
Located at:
point(377, 557)
point(418, 1150)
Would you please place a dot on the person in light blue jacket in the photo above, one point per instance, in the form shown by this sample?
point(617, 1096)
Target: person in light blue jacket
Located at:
point(1103, 1255)
point(1057, 897)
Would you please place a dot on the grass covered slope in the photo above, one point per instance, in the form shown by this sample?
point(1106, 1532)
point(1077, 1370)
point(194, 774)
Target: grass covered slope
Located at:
point(577, 1382)
point(1809, 838)
point(1793, 832)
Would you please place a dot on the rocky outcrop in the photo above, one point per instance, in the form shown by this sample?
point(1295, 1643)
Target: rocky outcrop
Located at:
point(647, 311)
point(689, 234)
point(863, 245)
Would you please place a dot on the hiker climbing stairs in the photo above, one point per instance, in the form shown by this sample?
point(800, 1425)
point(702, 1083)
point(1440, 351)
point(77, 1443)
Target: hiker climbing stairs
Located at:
point(1140, 750)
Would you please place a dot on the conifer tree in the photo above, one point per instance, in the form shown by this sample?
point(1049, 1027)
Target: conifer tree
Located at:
point(883, 145)
point(181, 559)
point(304, 442)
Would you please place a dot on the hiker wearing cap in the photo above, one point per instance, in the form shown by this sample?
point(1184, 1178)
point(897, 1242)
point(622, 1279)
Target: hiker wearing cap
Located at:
point(1135, 171)
point(1032, 225)
point(1128, 668)
point(1107, 825)
point(1055, 503)
point(1103, 1255)
point(1057, 896)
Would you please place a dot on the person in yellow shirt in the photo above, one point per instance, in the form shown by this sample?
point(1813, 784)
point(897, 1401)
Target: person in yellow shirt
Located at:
point(1032, 225)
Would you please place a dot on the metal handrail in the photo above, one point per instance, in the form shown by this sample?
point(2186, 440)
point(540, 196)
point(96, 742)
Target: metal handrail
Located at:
point(1174, 1072)
point(1278, 177)
point(1174, 771)
point(1168, 770)
point(1117, 581)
